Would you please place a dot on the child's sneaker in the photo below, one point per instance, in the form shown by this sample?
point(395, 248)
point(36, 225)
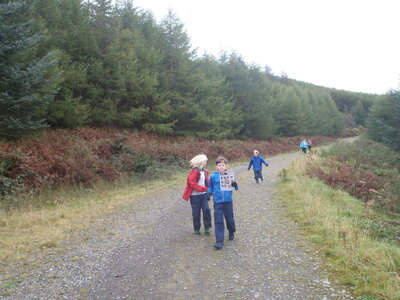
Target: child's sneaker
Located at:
point(218, 246)
point(197, 232)
point(231, 236)
point(207, 231)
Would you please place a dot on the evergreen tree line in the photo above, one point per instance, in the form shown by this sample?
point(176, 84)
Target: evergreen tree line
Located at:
point(69, 63)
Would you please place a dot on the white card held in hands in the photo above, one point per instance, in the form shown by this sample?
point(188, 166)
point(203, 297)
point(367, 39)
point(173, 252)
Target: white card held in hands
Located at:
point(226, 179)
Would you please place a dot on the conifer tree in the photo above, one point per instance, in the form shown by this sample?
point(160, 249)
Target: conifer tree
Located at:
point(103, 22)
point(103, 71)
point(358, 112)
point(383, 124)
point(209, 113)
point(27, 82)
point(176, 79)
point(251, 93)
point(335, 119)
point(67, 24)
point(288, 113)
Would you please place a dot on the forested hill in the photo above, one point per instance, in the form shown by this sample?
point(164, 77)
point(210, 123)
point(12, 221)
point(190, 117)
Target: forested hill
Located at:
point(70, 63)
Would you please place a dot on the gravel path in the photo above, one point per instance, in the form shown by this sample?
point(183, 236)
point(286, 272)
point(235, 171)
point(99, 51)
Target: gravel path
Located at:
point(149, 251)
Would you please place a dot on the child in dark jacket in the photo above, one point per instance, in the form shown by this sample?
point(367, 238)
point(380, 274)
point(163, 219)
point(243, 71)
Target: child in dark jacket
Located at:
point(256, 161)
point(223, 204)
point(196, 191)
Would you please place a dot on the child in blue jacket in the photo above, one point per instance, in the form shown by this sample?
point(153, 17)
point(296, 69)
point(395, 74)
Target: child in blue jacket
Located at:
point(223, 204)
point(304, 146)
point(256, 161)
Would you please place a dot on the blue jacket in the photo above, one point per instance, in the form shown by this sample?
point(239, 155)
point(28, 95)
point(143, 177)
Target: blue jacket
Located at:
point(214, 188)
point(303, 145)
point(257, 162)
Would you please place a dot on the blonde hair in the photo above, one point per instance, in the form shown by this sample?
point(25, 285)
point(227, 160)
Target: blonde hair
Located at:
point(199, 161)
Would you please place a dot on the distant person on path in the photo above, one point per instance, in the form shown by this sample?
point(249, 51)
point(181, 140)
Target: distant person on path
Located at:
point(256, 161)
point(223, 204)
point(304, 146)
point(309, 142)
point(196, 191)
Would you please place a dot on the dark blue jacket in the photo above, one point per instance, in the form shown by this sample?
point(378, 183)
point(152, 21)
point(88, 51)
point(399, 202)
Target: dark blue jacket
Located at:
point(215, 189)
point(257, 162)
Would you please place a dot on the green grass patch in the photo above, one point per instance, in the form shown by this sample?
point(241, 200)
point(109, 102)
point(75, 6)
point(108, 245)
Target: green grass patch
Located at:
point(340, 226)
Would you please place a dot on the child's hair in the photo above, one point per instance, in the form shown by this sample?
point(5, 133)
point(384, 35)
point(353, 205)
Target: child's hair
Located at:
point(221, 159)
point(199, 161)
point(256, 151)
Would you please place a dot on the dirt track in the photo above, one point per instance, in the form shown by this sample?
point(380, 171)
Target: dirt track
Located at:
point(149, 251)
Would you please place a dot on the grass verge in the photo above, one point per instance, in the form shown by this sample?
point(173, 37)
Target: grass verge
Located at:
point(335, 222)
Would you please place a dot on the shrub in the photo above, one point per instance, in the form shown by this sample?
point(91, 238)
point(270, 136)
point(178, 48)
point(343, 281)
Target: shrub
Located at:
point(365, 169)
point(9, 183)
point(143, 161)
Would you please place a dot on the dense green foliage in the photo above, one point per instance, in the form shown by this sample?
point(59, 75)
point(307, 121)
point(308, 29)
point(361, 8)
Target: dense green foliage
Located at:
point(27, 80)
point(355, 106)
point(122, 68)
point(383, 123)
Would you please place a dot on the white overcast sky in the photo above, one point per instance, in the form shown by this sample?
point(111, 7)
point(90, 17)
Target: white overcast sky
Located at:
point(345, 44)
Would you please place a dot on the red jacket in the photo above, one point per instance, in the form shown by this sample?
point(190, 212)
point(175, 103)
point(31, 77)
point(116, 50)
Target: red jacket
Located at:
point(192, 183)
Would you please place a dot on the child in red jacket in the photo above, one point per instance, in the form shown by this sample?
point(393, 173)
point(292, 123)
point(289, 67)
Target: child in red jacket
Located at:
point(196, 191)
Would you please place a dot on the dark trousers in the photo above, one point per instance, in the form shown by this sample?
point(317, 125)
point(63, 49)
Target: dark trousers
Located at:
point(304, 150)
point(198, 203)
point(221, 211)
point(258, 175)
